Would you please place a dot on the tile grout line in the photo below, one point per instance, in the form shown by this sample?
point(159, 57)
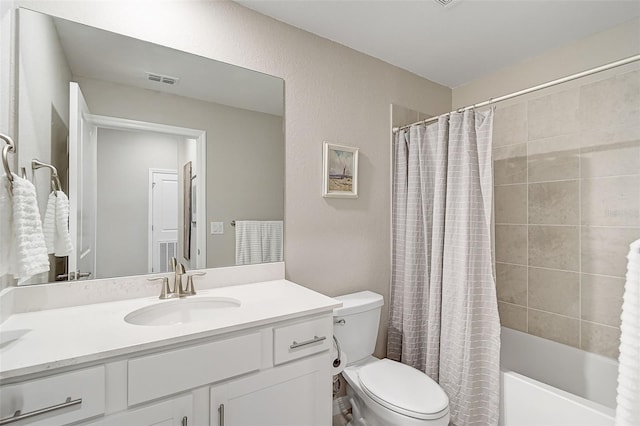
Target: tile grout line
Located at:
point(562, 270)
point(526, 147)
point(580, 345)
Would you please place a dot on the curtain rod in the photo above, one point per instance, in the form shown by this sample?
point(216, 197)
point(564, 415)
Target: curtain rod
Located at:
point(531, 89)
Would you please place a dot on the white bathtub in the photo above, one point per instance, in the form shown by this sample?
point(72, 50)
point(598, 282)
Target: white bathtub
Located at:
point(544, 383)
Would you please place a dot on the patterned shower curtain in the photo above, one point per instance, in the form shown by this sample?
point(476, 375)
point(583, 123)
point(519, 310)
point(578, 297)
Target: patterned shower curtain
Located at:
point(443, 310)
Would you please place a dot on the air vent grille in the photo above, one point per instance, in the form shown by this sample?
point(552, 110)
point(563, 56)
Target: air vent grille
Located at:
point(444, 3)
point(159, 78)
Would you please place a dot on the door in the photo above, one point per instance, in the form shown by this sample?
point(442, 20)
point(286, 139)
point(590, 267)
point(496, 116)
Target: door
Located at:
point(82, 185)
point(163, 216)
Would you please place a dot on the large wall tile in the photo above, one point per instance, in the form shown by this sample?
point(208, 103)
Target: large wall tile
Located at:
point(554, 203)
point(554, 291)
point(611, 102)
point(513, 316)
point(511, 204)
point(604, 249)
point(511, 283)
point(609, 136)
point(555, 158)
point(553, 115)
point(600, 339)
point(510, 164)
point(554, 327)
point(601, 299)
point(555, 247)
point(611, 160)
point(510, 125)
point(511, 244)
point(611, 201)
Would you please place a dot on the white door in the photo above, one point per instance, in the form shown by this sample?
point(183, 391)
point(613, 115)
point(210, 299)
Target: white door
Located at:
point(82, 185)
point(163, 219)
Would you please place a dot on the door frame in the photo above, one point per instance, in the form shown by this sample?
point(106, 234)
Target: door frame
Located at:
point(153, 171)
point(200, 136)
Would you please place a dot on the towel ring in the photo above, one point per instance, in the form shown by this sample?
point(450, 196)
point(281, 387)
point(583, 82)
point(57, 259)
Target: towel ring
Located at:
point(55, 181)
point(9, 147)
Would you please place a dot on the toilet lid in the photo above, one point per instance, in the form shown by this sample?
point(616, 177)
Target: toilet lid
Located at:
point(403, 389)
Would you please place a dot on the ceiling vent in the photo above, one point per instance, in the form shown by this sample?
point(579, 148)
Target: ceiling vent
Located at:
point(444, 3)
point(159, 78)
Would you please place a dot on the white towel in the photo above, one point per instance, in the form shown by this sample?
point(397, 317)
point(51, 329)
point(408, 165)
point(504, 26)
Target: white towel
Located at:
point(628, 400)
point(271, 241)
point(258, 241)
point(56, 225)
point(23, 252)
point(248, 242)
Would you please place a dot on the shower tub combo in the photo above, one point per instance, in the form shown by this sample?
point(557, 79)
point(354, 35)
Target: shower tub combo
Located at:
point(579, 390)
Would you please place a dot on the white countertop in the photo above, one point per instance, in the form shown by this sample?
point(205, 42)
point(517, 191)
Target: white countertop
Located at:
point(38, 342)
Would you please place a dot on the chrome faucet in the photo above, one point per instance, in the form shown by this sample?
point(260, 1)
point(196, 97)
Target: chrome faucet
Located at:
point(178, 268)
point(178, 290)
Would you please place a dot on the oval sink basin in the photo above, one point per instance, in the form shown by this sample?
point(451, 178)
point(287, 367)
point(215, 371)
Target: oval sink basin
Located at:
point(181, 311)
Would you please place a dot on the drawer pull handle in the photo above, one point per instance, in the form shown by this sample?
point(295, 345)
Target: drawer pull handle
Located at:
point(221, 415)
point(19, 416)
point(315, 339)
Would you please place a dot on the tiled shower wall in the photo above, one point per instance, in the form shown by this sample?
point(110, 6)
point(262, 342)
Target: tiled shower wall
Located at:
point(567, 205)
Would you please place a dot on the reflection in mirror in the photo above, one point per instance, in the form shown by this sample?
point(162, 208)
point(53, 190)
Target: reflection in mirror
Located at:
point(159, 150)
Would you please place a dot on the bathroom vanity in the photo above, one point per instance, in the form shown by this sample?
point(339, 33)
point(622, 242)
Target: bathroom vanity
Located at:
point(260, 356)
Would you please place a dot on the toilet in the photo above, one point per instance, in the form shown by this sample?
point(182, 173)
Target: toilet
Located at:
point(382, 392)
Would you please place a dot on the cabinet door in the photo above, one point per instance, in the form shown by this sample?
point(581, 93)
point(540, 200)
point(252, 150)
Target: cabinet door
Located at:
point(174, 412)
point(296, 394)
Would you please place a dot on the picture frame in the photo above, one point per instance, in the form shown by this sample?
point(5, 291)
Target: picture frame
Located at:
point(339, 171)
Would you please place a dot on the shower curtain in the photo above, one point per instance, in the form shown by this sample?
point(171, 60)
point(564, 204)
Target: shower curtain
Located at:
point(443, 310)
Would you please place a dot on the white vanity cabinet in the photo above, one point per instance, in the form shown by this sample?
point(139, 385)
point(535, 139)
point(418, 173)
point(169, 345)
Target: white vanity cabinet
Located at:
point(273, 374)
point(295, 392)
point(291, 395)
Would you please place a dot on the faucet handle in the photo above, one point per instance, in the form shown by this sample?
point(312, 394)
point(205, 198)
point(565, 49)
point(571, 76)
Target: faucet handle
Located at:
point(190, 290)
point(166, 291)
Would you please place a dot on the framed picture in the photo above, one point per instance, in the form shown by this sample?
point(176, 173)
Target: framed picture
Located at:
point(340, 171)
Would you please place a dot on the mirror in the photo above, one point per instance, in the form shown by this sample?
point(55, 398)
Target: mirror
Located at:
point(158, 150)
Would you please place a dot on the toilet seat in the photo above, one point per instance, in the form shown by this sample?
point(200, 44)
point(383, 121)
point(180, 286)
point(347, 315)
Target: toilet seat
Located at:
point(403, 389)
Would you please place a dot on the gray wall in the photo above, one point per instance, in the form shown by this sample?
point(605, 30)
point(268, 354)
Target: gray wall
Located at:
point(124, 160)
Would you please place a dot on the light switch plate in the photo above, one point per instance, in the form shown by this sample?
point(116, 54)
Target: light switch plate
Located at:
point(217, 227)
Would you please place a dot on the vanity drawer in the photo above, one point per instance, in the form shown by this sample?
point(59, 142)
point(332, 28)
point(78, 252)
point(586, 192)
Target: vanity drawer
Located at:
point(85, 390)
point(154, 376)
point(301, 339)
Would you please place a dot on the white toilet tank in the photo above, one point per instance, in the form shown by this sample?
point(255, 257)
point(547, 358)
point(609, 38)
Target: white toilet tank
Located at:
point(355, 324)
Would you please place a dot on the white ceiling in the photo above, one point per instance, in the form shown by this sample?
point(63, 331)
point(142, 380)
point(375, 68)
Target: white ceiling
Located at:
point(450, 45)
point(102, 55)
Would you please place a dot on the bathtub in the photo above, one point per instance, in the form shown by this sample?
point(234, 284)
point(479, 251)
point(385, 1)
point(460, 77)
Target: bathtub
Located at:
point(544, 383)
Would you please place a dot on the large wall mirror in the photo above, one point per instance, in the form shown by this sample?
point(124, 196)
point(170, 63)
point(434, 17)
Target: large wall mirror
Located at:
point(161, 152)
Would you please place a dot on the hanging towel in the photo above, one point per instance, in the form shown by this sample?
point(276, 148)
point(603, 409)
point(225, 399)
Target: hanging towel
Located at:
point(248, 242)
point(271, 241)
point(628, 400)
point(56, 225)
point(23, 252)
point(258, 241)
